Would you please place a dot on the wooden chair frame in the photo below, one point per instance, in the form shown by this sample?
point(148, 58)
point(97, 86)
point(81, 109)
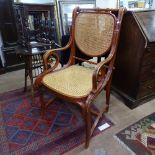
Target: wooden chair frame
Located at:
point(102, 76)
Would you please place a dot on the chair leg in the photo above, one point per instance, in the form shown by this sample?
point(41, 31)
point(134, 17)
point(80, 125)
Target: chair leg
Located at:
point(108, 95)
point(88, 125)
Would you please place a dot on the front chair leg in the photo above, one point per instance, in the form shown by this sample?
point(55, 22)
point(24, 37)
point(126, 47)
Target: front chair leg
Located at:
point(88, 125)
point(108, 95)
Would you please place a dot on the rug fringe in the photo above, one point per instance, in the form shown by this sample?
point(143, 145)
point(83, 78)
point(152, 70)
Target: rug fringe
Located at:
point(124, 145)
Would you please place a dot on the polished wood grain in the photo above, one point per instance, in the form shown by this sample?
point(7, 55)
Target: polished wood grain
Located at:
point(146, 20)
point(135, 62)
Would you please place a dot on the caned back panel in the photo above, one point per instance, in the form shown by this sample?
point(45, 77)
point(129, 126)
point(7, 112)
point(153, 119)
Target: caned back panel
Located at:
point(94, 32)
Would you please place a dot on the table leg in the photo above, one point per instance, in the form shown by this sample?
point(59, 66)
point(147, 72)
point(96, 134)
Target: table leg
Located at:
point(26, 74)
point(32, 90)
point(31, 79)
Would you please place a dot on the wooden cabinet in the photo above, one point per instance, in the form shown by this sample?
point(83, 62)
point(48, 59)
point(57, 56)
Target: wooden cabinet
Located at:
point(7, 23)
point(9, 35)
point(35, 22)
point(13, 33)
point(134, 76)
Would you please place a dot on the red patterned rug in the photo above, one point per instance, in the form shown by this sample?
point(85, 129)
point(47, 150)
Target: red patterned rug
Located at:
point(139, 138)
point(23, 131)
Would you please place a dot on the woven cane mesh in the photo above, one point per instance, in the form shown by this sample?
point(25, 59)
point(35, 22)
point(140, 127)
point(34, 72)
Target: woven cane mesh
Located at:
point(75, 81)
point(93, 33)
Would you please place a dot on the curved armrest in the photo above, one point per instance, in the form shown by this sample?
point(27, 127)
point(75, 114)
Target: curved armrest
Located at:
point(53, 52)
point(101, 75)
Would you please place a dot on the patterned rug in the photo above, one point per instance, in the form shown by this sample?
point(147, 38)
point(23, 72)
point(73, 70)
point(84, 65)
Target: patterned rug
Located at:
point(24, 131)
point(139, 138)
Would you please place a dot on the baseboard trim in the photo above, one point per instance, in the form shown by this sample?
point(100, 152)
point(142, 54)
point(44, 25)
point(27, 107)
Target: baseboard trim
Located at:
point(15, 67)
point(129, 101)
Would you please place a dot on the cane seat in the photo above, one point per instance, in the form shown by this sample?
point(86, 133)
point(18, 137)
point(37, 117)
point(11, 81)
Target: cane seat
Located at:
point(78, 81)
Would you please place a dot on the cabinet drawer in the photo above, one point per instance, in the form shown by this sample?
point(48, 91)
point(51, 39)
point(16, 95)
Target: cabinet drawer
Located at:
point(146, 88)
point(149, 57)
point(147, 73)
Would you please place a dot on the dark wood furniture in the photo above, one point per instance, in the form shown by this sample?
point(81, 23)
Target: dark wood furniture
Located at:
point(36, 33)
point(78, 84)
point(35, 22)
point(33, 59)
point(134, 77)
point(9, 35)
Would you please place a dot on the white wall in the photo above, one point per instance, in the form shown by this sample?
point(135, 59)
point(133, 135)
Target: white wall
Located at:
point(106, 3)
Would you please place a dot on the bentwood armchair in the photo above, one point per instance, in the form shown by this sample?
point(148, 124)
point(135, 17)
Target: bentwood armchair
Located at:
point(96, 33)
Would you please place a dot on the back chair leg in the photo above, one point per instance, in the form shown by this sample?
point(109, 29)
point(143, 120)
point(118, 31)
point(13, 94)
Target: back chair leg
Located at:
point(88, 125)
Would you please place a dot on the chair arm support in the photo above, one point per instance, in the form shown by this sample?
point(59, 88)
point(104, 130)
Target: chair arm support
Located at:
point(47, 62)
point(100, 76)
point(53, 52)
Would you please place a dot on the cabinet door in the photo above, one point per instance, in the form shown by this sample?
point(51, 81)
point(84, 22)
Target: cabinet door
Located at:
point(8, 26)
